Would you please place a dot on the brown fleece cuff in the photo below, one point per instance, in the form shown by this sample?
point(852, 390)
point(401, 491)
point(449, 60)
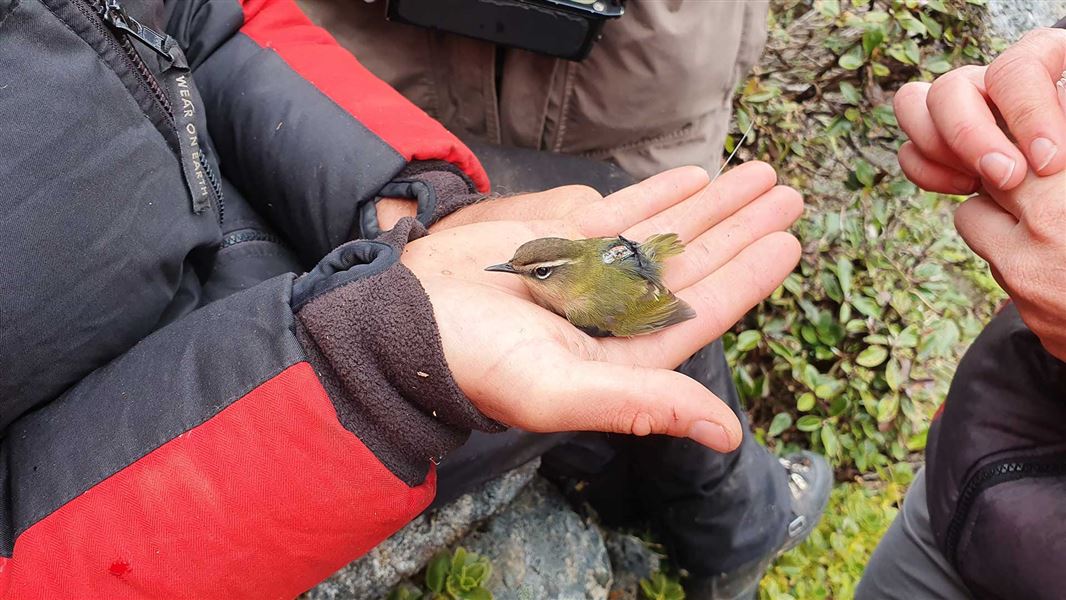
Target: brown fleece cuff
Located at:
point(439, 187)
point(375, 346)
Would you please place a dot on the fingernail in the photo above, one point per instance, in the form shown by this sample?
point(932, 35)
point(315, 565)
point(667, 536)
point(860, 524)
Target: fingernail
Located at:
point(964, 184)
point(997, 167)
point(1043, 150)
point(712, 435)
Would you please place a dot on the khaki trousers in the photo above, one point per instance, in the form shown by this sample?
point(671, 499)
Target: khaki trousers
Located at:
point(655, 92)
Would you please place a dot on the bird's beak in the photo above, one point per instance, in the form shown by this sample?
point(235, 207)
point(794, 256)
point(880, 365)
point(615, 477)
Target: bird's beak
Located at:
point(503, 268)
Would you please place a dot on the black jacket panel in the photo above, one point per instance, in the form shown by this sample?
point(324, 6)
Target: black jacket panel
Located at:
point(997, 465)
point(99, 239)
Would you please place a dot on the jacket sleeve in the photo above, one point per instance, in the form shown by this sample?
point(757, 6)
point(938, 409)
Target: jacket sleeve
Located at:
point(310, 136)
point(245, 451)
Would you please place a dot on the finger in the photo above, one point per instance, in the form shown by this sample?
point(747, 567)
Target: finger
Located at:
point(958, 104)
point(775, 210)
point(630, 399)
point(1039, 203)
point(1021, 83)
point(625, 208)
point(913, 115)
point(719, 300)
point(729, 193)
point(934, 176)
point(984, 225)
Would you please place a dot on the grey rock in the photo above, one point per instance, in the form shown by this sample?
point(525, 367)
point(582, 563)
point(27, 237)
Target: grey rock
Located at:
point(1010, 19)
point(539, 548)
point(631, 561)
point(408, 550)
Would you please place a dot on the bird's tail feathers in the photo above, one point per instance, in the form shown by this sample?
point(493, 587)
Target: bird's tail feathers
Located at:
point(662, 246)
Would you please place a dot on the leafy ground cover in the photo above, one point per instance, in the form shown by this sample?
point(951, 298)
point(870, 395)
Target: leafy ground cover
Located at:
point(853, 354)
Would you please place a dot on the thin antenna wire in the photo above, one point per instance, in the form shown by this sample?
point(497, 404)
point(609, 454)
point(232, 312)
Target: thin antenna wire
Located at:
point(735, 149)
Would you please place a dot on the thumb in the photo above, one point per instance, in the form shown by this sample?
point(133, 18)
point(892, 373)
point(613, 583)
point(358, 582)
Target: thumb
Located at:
point(985, 227)
point(599, 396)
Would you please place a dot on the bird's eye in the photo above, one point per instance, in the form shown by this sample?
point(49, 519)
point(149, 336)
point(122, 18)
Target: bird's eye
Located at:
point(542, 272)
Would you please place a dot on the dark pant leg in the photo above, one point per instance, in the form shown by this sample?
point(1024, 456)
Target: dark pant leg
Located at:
point(486, 456)
point(717, 511)
point(907, 564)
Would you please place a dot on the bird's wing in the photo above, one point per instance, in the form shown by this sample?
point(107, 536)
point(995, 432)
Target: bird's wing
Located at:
point(646, 259)
point(659, 308)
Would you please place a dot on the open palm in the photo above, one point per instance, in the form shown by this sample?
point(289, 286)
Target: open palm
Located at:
point(528, 367)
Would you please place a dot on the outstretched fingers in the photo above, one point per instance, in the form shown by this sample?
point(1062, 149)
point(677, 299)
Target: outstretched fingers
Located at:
point(625, 208)
point(776, 210)
point(731, 192)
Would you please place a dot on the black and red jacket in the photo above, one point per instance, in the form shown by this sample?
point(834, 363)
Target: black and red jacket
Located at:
point(181, 415)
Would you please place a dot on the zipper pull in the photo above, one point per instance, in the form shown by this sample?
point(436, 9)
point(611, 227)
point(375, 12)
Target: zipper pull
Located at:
point(112, 12)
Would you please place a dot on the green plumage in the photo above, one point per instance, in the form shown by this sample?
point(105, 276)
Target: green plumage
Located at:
point(604, 286)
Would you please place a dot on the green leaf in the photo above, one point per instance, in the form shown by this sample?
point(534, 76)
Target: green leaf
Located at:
point(829, 440)
point(867, 306)
point(872, 356)
point(844, 275)
point(852, 59)
point(871, 39)
point(829, 389)
point(437, 571)
point(780, 423)
point(478, 593)
point(893, 374)
point(459, 559)
point(828, 8)
point(885, 115)
point(938, 65)
point(937, 5)
point(887, 408)
point(880, 70)
point(908, 338)
point(934, 28)
point(913, 26)
point(850, 92)
point(649, 592)
point(941, 339)
point(805, 402)
point(748, 340)
point(910, 48)
point(809, 423)
point(832, 286)
point(864, 172)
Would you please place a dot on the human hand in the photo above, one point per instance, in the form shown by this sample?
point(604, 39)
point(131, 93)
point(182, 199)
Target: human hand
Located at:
point(956, 141)
point(555, 203)
point(525, 366)
point(1020, 233)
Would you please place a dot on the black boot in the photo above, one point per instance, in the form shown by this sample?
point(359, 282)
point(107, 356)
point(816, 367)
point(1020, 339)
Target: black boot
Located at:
point(809, 480)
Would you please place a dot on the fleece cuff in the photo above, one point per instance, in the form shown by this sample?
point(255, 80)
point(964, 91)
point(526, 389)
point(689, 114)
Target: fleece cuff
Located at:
point(439, 187)
point(374, 344)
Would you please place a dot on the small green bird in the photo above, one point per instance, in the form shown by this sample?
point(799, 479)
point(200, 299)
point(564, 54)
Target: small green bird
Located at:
point(604, 286)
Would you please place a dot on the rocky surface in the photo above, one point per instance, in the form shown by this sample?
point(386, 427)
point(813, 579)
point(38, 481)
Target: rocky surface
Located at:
point(406, 552)
point(631, 561)
point(539, 548)
point(1010, 19)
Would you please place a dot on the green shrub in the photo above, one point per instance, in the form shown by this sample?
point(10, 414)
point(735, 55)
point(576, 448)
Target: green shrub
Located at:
point(458, 575)
point(854, 352)
point(830, 562)
point(661, 587)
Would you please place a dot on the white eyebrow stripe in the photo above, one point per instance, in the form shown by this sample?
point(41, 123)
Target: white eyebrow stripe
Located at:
point(550, 263)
